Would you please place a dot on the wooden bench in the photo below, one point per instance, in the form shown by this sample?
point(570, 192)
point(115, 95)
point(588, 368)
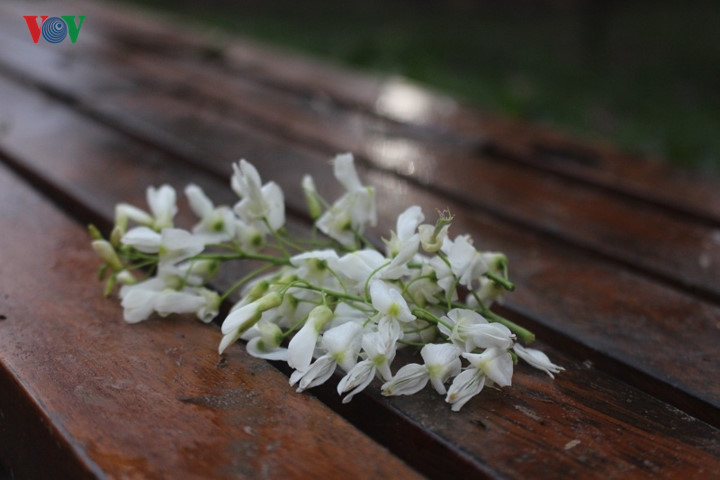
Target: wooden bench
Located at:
point(616, 260)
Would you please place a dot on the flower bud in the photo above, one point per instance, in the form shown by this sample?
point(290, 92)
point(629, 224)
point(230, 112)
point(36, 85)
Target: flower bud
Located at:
point(108, 254)
point(311, 197)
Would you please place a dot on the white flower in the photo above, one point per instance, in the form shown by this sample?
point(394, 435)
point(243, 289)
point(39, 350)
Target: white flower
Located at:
point(173, 245)
point(466, 263)
point(422, 287)
point(488, 293)
point(433, 236)
point(216, 224)
point(144, 239)
point(315, 265)
point(407, 224)
point(537, 359)
point(470, 330)
point(259, 202)
point(353, 210)
point(404, 244)
point(177, 245)
point(302, 345)
point(466, 385)
point(389, 302)
point(493, 364)
point(441, 363)
point(379, 353)
point(267, 342)
point(342, 344)
point(359, 265)
point(202, 302)
point(247, 315)
point(167, 293)
point(162, 203)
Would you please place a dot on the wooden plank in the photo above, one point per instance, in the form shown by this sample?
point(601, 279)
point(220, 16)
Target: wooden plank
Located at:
point(567, 210)
point(537, 147)
point(505, 433)
point(149, 400)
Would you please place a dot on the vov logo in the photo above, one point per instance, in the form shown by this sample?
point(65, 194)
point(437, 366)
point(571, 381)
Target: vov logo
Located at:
point(54, 29)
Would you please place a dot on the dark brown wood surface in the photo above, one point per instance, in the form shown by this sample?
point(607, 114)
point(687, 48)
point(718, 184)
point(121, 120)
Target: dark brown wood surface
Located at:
point(615, 258)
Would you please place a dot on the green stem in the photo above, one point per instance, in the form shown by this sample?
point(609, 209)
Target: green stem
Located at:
point(242, 255)
point(426, 315)
point(506, 284)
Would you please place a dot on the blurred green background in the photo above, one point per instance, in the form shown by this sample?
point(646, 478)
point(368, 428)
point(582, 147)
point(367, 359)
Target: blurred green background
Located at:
point(644, 75)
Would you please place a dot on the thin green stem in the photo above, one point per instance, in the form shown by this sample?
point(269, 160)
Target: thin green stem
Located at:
point(506, 284)
point(426, 315)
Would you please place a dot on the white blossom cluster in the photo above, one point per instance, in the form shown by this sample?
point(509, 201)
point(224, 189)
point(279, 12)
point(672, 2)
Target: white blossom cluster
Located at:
point(332, 302)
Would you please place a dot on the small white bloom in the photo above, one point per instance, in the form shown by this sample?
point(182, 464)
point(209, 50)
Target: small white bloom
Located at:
point(267, 342)
point(302, 345)
point(357, 266)
point(466, 385)
point(470, 330)
point(162, 203)
point(537, 359)
point(408, 380)
point(407, 224)
point(389, 302)
point(441, 363)
point(466, 263)
point(144, 239)
point(342, 345)
point(353, 210)
point(216, 224)
point(431, 237)
point(259, 202)
point(315, 265)
point(167, 293)
point(493, 364)
point(245, 316)
point(379, 353)
point(177, 245)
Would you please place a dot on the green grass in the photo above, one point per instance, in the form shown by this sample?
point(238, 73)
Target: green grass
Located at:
point(643, 75)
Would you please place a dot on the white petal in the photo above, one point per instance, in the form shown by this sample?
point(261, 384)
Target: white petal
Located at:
point(537, 359)
point(344, 169)
point(257, 348)
point(408, 380)
point(162, 205)
point(317, 374)
point(408, 222)
point(465, 386)
point(357, 379)
point(143, 239)
point(200, 204)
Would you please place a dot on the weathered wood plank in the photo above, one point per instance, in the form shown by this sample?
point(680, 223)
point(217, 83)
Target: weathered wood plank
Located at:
point(149, 400)
point(538, 417)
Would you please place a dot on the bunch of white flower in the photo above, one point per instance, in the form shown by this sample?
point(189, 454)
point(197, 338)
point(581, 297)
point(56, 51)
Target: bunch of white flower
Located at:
point(333, 303)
